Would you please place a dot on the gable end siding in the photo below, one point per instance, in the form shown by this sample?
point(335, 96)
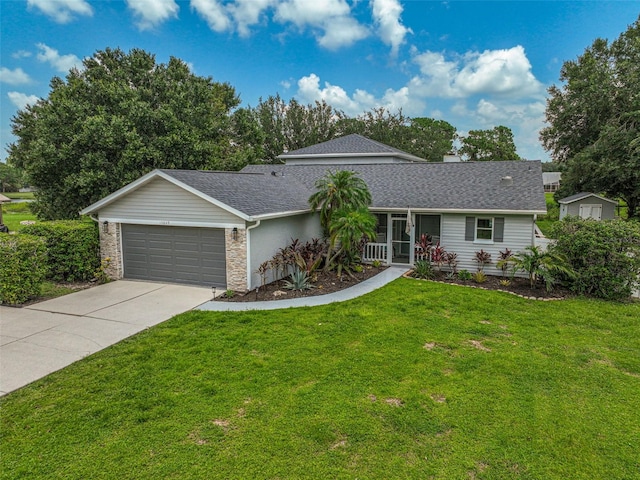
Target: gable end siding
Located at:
point(162, 201)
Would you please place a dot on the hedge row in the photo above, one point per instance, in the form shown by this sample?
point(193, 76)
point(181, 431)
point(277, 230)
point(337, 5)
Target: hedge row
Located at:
point(73, 248)
point(22, 267)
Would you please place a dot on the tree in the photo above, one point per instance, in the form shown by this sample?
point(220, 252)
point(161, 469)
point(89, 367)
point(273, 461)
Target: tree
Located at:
point(347, 228)
point(115, 119)
point(342, 190)
point(289, 126)
point(549, 266)
point(11, 178)
point(594, 120)
point(489, 145)
point(431, 139)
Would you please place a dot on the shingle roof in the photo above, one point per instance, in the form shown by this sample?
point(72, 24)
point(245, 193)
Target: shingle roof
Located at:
point(251, 193)
point(470, 186)
point(353, 144)
point(581, 195)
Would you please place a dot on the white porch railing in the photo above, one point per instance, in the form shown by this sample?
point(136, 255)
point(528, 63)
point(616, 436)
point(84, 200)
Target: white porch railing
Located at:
point(375, 251)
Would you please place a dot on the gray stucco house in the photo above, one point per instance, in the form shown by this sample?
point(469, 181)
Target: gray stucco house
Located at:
point(216, 228)
point(588, 205)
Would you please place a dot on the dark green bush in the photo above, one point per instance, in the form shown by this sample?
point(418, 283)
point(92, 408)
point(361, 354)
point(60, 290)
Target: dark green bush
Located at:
point(22, 267)
point(73, 248)
point(605, 255)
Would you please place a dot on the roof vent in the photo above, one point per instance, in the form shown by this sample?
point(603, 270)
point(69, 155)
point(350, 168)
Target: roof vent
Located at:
point(506, 181)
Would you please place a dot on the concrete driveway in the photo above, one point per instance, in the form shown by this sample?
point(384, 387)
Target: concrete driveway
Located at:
point(45, 337)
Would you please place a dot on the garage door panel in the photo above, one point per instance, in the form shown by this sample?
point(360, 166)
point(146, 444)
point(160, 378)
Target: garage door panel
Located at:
point(174, 254)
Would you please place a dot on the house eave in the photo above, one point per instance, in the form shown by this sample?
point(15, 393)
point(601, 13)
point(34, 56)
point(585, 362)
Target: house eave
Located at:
point(269, 216)
point(460, 211)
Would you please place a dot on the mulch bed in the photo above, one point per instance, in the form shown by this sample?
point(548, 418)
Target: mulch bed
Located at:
point(324, 283)
point(330, 282)
point(518, 286)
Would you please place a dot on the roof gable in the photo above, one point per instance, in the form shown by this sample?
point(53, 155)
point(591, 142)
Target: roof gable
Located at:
point(582, 195)
point(353, 145)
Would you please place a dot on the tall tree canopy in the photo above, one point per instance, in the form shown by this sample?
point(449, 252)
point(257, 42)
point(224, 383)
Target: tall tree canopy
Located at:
point(594, 120)
point(115, 119)
point(489, 145)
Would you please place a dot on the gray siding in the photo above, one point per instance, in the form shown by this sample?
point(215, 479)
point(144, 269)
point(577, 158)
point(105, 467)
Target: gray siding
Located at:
point(518, 234)
point(272, 235)
point(163, 203)
point(573, 209)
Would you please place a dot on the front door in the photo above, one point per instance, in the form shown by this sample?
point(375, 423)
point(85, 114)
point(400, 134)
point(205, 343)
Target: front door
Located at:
point(400, 241)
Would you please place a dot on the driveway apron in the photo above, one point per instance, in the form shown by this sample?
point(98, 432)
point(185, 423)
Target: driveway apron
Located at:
point(39, 339)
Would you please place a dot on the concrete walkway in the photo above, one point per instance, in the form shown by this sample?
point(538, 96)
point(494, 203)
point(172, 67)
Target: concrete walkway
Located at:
point(42, 338)
point(367, 286)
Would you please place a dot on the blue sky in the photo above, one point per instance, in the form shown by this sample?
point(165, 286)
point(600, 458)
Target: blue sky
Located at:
point(475, 64)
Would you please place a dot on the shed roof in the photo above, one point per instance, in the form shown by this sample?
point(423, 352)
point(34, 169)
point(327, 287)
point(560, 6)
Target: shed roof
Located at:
point(582, 195)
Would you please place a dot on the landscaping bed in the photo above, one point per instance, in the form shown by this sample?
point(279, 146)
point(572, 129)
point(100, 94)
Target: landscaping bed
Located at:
point(323, 283)
point(517, 286)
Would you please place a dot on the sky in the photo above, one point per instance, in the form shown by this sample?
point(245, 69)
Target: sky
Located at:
point(475, 64)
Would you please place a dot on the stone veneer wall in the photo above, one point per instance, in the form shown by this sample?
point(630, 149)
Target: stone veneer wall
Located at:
point(110, 248)
point(236, 252)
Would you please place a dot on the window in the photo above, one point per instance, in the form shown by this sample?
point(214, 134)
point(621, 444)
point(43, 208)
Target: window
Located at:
point(484, 228)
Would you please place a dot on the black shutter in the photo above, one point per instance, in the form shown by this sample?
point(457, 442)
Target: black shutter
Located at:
point(469, 231)
point(498, 229)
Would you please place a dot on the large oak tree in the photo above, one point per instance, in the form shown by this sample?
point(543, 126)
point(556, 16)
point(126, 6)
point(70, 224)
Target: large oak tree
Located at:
point(115, 119)
point(594, 120)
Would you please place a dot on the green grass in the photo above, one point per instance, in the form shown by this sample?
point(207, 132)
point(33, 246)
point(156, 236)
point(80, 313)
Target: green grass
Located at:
point(14, 213)
point(19, 195)
point(416, 380)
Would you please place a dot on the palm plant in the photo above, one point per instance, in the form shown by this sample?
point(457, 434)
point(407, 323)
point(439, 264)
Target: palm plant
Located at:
point(346, 230)
point(337, 191)
point(542, 265)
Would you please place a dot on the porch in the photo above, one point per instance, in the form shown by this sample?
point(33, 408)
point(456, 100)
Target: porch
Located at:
point(395, 244)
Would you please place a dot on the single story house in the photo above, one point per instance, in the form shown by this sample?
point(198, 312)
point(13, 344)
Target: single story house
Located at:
point(588, 205)
point(216, 228)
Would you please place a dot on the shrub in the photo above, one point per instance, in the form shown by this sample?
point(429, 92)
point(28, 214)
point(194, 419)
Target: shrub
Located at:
point(549, 266)
point(423, 269)
point(465, 275)
point(605, 255)
point(72, 248)
point(482, 258)
point(22, 267)
point(299, 281)
point(480, 276)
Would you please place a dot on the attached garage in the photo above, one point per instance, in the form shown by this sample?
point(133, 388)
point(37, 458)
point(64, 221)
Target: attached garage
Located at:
point(174, 254)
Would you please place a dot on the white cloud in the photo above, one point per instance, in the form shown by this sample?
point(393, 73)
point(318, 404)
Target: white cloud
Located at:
point(386, 15)
point(21, 54)
point(361, 101)
point(247, 13)
point(62, 63)
point(330, 19)
point(14, 77)
point(492, 72)
point(151, 13)
point(213, 13)
point(62, 11)
point(21, 100)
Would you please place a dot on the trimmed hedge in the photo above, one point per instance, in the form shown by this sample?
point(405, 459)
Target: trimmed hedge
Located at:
point(22, 267)
point(73, 248)
point(605, 255)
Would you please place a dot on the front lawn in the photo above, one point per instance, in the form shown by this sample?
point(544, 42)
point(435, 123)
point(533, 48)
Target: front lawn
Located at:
point(416, 380)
